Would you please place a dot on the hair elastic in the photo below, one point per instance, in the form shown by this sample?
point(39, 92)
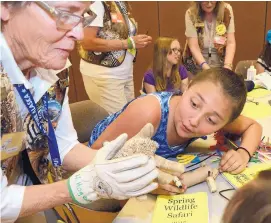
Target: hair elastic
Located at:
point(202, 64)
point(246, 151)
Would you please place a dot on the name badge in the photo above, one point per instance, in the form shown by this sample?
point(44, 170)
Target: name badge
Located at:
point(11, 144)
point(199, 24)
point(116, 18)
point(220, 40)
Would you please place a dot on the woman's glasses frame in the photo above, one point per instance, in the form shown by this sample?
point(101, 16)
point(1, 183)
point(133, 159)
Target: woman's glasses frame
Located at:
point(66, 20)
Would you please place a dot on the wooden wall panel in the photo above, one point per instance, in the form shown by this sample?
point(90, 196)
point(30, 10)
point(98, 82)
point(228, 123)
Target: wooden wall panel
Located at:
point(268, 16)
point(172, 23)
point(146, 15)
point(249, 29)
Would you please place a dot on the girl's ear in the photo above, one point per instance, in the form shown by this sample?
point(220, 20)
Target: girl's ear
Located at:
point(5, 13)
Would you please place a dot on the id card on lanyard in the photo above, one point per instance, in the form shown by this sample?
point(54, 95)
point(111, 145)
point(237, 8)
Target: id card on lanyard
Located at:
point(50, 134)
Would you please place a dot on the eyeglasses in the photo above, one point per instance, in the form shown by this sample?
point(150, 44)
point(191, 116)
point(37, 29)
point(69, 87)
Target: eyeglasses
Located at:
point(66, 20)
point(176, 50)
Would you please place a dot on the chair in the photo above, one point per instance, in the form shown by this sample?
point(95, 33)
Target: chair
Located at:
point(85, 115)
point(243, 65)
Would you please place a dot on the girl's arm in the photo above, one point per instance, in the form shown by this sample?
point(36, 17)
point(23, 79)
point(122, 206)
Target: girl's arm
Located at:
point(184, 84)
point(149, 88)
point(230, 51)
point(140, 112)
point(251, 132)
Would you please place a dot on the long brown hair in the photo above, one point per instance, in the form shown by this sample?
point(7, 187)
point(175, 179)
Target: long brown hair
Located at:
point(161, 49)
point(197, 13)
point(251, 203)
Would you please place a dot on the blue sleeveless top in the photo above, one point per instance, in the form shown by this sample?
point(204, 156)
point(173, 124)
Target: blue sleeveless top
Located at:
point(160, 136)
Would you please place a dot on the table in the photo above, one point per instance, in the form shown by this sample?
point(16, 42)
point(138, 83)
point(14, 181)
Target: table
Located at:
point(136, 211)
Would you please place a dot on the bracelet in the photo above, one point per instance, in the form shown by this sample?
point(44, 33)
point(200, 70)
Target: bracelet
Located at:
point(130, 43)
point(122, 44)
point(202, 64)
point(228, 65)
point(246, 151)
point(133, 42)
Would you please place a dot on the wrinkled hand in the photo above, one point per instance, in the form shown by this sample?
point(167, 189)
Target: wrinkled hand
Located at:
point(142, 40)
point(120, 178)
point(234, 162)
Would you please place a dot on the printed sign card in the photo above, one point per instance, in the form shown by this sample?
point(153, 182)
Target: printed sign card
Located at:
point(184, 208)
point(247, 175)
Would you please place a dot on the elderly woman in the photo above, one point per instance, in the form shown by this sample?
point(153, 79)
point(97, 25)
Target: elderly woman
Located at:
point(108, 52)
point(37, 133)
point(210, 36)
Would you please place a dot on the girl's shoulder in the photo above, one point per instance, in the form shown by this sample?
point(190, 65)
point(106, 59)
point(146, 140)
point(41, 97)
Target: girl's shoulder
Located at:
point(148, 72)
point(183, 72)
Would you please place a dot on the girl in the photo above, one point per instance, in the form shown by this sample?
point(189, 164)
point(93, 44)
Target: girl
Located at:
point(264, 61)
point(251, 203)
point(213, 101)
point(167, 74)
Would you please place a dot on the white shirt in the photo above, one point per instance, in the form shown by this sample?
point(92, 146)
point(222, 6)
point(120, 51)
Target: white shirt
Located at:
point(124, 71)
point(12, 195)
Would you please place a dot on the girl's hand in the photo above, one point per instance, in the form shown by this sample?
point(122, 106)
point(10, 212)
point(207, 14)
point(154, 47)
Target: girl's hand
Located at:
point(141, 41)
point(234, 162)
point(170, 189)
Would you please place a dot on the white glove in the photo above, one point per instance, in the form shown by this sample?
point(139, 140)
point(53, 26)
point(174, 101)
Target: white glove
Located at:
point(120, 178)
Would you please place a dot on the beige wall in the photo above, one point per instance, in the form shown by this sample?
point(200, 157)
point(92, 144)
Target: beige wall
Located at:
point(166, 18)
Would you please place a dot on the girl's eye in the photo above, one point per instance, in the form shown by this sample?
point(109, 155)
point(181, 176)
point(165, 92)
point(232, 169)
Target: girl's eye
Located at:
point(194, 105)
point(211, 121)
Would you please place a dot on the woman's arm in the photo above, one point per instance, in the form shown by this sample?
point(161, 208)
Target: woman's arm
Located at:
point(93, 43)
point(196, 52)
point(149, 88)
point(259, 68)
point(251, 132)
point(230, 51)
point(140, 112)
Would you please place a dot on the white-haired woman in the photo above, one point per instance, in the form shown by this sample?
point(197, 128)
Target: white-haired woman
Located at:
point(36, 125)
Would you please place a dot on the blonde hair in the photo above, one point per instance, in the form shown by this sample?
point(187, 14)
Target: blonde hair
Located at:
point(161, 49)
point(197, 14)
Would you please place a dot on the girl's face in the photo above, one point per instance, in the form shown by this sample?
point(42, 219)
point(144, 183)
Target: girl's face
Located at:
point(174, 52)
point(208, 6)
point(203, 109)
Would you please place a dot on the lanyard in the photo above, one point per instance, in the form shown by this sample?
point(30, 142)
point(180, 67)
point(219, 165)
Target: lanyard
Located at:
point(32, 108)
point(211, 32)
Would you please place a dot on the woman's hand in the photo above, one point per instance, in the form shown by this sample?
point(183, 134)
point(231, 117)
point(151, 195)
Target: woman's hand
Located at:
point(141, 41)
point(234, 162)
